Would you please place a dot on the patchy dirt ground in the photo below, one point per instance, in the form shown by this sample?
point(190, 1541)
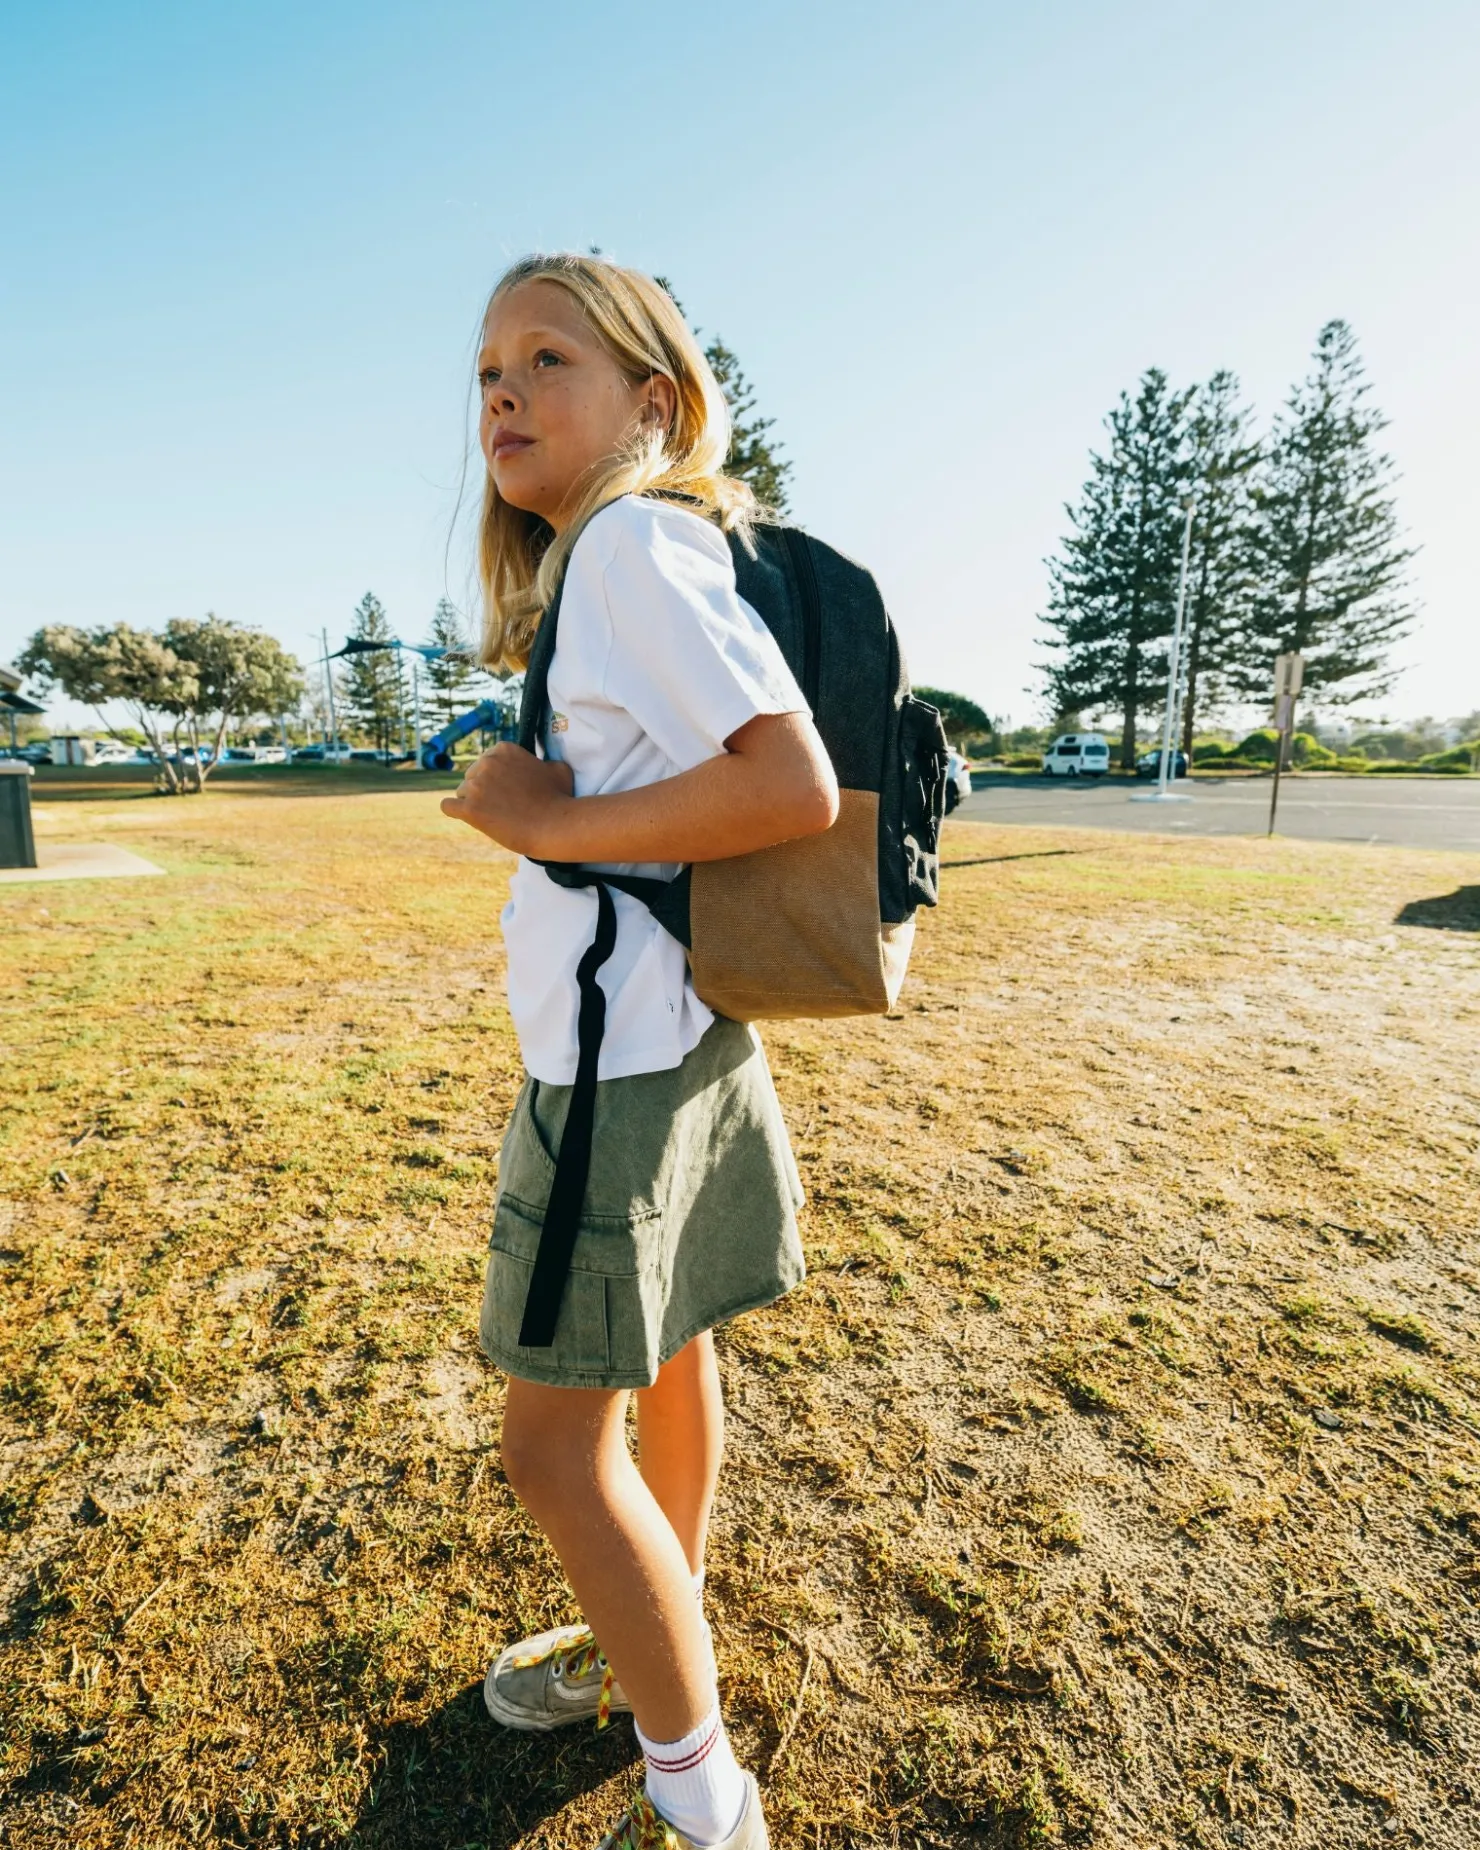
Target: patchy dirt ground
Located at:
point(1114, 1479)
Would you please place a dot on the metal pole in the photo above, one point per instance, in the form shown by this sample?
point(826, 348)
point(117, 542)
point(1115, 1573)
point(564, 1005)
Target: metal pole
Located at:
point(416, 704)
point(1174, 662)
point(1162, 794)
point(1284, 718)
point(333, 721)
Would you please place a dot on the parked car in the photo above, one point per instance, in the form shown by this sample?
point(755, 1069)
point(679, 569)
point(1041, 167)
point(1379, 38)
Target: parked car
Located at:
point(270, 754)
point(239, 754)
point(1077, 754)
point(322, 754)
point(39, 753)
point(958, 778)
point(365, 755)
point(109, 751)
point(1149, 764)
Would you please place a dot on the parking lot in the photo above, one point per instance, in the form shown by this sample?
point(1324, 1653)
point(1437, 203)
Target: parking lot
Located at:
point(1417, 812)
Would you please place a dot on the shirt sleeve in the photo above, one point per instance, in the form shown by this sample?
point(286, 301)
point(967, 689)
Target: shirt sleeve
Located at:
point(690, 660)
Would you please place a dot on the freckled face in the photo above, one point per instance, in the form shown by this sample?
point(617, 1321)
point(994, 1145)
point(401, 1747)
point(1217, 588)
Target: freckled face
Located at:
point(554, 402)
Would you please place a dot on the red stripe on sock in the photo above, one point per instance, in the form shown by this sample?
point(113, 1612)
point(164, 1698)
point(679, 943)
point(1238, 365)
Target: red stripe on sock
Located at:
point(689, 1760)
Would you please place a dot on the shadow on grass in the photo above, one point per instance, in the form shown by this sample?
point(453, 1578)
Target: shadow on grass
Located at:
point(84, 785)
point(1037, 854)
point(1456, 911)
point(459, 1779)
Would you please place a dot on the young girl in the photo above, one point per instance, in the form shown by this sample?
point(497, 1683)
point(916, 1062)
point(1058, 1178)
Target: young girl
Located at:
point(676, 733)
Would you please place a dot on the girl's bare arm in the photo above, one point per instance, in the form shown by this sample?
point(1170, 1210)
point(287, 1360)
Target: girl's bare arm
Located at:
point(773, 782)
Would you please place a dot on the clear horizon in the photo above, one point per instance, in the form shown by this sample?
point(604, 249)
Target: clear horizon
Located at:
point(246, 256)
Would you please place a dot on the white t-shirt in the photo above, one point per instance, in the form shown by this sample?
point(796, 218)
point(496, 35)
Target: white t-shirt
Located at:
point(657, 661)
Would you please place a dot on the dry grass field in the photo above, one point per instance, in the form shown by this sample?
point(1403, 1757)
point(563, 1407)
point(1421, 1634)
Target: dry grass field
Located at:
point(1113, 1480)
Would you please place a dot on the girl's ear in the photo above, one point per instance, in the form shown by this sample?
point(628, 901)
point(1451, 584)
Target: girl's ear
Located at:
point(660, 402)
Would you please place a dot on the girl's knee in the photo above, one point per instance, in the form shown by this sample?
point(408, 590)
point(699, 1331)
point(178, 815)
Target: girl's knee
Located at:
point(550, 1450)
point(527, 1457)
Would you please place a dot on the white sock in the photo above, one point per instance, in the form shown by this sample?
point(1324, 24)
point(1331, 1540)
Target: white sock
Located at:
point(696, 1783)
point(699, 1588)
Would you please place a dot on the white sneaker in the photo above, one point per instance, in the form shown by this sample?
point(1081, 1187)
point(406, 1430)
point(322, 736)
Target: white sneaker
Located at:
point(641, 1828)
point(551, 1680)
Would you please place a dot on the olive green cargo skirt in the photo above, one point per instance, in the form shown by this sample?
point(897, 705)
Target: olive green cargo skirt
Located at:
point(689, 1218)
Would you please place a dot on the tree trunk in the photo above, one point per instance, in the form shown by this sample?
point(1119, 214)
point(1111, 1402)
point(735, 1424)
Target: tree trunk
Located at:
point(1190, 711)
point(220, 741)
point(1132, 709)
point(168, 779)
point(1302, 604)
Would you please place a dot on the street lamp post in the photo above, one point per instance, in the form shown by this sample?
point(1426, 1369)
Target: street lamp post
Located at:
point(1162, 792)
point(331, 744)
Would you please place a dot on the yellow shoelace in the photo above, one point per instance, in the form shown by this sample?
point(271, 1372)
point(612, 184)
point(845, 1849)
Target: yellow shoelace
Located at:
point(576, 1656)
point(642, 1829)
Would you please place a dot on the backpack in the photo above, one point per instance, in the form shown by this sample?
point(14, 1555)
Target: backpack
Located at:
point(817, 927)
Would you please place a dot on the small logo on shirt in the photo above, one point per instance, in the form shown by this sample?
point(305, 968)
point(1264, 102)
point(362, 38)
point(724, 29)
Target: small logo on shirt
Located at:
point(559, 723)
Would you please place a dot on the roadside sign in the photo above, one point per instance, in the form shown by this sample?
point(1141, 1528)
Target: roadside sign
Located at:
point(1289, 672)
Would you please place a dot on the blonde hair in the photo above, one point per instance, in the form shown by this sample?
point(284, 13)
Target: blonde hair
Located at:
point(639, 324)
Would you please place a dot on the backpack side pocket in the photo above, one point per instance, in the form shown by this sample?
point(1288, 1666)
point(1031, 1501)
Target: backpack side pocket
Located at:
point(922, 748)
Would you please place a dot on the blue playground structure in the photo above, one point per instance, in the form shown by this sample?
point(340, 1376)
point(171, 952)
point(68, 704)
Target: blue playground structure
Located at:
point(436, 754)
point(487, 716)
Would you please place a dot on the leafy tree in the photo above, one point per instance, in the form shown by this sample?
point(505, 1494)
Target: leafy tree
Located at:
point(963, 717)
point(456, 681)
point(1113, 588)
point(1220, 565)
point(117, 663)
point(370, 686)
point(1466, 726)
point(1408, 743)
point(197, 675)
point(1331, 564)
point(240, 674)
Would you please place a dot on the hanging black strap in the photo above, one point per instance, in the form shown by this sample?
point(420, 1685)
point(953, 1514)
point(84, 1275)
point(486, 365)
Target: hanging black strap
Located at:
point(573, 1165)
point(669, 901)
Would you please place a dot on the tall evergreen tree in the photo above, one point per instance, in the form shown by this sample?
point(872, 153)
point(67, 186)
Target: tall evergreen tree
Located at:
point(1220, 565)
point(1332, 566)
point(370, 687)
point(1113, 588)
point(456, 681)
point(754, 457)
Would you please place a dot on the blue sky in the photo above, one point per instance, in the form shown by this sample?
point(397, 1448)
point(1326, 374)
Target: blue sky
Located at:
point(245, 249)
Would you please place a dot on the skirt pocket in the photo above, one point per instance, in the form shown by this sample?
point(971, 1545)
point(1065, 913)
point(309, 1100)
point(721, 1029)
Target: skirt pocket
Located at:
point(609, 1329)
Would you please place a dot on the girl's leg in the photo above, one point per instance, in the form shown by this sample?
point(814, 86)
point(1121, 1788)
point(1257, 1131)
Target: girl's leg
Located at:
point(681, 1440)
point(565, 1455)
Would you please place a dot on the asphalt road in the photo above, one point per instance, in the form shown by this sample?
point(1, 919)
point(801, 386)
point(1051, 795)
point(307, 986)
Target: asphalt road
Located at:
point(1418, 812)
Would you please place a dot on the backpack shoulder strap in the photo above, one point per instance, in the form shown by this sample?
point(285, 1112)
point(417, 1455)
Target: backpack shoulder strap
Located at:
point(534, 700)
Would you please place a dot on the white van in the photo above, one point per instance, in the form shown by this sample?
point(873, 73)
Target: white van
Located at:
point(1077, 754)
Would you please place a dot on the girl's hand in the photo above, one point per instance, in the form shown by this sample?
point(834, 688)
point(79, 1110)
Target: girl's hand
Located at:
point(514, 798)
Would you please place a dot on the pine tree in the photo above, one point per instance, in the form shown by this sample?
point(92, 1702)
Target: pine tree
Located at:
point(457, 683)
point(370, 687)
point(753, 457)
point(1113, 589)
point(1220, 566)
point(1331, 563)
